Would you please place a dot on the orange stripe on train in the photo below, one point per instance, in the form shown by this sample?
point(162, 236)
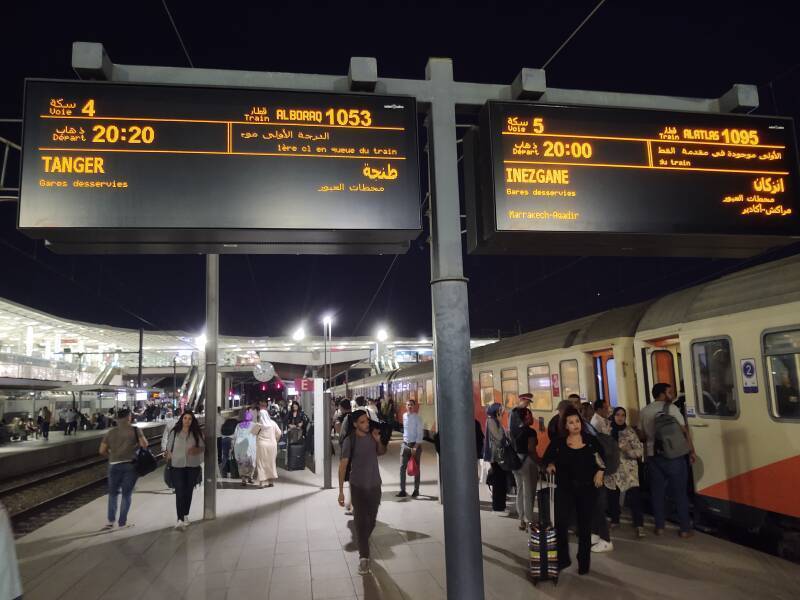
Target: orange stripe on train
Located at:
point(772, 487)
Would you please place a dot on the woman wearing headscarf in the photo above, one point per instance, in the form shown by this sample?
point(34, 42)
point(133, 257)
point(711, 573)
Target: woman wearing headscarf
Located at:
point(494, 440)
point(627, 476)
point(244, 447)
point(267, 435)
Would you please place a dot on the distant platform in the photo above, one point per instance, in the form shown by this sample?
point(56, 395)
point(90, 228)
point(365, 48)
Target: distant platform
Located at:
point(293, 542)
point(17, 458)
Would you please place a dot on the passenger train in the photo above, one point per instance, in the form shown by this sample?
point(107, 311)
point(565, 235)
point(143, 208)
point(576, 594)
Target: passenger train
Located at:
point(730, 346)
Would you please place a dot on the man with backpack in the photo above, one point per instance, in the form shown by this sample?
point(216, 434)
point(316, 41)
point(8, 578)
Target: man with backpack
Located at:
point(668, 443)
point(359, 466)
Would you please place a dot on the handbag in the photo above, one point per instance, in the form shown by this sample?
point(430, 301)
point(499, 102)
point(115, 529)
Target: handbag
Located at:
point(168, 480)
point(506, 456)
point(143, 461)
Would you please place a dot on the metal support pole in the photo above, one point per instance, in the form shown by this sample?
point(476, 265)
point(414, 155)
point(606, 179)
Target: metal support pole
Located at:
point(139, 372)
point(326, 422)
point(453, 372)
point(212, 335)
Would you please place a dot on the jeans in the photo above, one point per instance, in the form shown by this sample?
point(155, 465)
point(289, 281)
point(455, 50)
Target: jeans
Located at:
point(365, 514)
point(405, 456)
point(45, 427)
point(184, 478)
point(225, 446)
point(526, 477)
point(599, 521)
point(582, 499)
point(671, 472)
point(121, 478)
point(634, 498)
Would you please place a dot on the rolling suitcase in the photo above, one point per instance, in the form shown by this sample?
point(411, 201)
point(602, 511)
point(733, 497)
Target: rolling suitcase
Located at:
point(542, 544)
point(296, 457)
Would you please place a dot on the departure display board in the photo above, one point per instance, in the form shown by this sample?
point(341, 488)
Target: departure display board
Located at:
point(115, 162)
point(570, 169)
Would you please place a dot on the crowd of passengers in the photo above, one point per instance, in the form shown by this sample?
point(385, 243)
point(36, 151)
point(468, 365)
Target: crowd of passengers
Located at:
point(594, 456)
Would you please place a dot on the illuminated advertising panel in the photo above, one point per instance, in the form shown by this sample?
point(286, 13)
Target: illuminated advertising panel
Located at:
point(114, 162)
point(635, 179)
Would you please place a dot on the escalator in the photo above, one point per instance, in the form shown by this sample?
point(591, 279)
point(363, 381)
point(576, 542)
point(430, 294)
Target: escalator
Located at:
point(106, 376)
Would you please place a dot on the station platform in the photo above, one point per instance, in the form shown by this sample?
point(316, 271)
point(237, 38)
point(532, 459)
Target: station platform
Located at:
point(293, 542)
point(18, 458)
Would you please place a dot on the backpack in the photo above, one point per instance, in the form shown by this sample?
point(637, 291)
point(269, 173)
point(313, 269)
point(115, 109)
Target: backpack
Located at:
point(229, 427)
point(347, 427)
point(670, 441)
point(611, 450)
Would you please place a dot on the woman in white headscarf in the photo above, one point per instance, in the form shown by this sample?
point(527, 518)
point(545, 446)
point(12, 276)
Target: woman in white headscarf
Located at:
point(267, 435)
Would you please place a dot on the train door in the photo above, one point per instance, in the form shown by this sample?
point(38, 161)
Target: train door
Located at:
point(605, 376)
point(663, 364)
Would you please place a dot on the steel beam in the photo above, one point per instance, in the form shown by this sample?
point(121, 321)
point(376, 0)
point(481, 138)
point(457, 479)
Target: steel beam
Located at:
point(212, 344)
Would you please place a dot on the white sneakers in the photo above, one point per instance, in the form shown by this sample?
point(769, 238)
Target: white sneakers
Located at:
point(595, 538)
point(363, 566)
point(603, 546)
point(181, 525)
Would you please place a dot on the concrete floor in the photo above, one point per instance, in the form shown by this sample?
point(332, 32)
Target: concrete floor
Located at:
point(292, 542)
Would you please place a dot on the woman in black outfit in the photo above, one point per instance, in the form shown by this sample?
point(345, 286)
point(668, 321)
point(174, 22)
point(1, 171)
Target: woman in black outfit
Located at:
point(296, 423)
point(577, 461)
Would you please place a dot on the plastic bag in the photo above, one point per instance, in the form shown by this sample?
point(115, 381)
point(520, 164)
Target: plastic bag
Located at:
point(413, 467)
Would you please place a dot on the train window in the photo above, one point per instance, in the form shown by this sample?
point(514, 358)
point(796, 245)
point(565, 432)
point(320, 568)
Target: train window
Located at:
point(782, 352)
point(570, 380)
point(509, 385)
point(539, 385)
point(420, 393)
point(713, 378)
point(429, 390)
point(487, 387)
point(663, 366)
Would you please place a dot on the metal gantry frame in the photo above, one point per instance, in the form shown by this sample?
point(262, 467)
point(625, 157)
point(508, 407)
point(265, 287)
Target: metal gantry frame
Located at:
point(8, 194)
point(440, 97)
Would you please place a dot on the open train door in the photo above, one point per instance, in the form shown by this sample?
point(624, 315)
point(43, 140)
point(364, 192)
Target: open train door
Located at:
point(604, 366)
point(663, 363)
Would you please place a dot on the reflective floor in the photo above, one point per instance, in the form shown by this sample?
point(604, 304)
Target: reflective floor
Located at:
point(293, 542)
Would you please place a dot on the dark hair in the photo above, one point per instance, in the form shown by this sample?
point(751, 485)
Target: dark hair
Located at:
point(521, 412)
point(122, 413)
point(660, 388)
point(412, 400)
point(194, 427)
point(598, 404)
point(357, 414)
point(345, 403)
point(571, 411)
point(361, 401)
point(577, 396)
point(292, 406)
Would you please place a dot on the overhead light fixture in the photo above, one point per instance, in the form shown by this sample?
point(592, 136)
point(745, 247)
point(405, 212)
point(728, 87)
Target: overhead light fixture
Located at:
point(382, 335)
point(299, 334)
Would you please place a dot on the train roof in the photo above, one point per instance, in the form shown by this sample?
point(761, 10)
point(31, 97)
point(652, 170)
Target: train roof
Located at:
point(610, 324)
point(772, 283)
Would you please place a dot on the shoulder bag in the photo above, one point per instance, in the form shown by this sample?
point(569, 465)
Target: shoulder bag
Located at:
point(168, 468)
point(143, 461)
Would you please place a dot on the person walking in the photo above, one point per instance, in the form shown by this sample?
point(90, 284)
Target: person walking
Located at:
point(359, 466)
point(412, 446)
point(525, 441)
point(185, 455)
point(44, 422)
point(663, 425)
point(601, 533)
point(244, 447)
point(495, 434)
point(119, 445)
point(268, 433)
point(576, 460)
point(626, 478)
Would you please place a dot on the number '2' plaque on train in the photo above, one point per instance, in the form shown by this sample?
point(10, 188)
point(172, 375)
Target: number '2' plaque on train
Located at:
point(112, 163)
point(586, 180)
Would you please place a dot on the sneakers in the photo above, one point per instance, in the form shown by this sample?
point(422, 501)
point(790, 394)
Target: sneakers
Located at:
point(401, 494)
point(186, 521)
point(640, 533)
point(500, 513)
point(108, 526)
point(595, 538)
point(603, 546)
point(126, 526)
point(363, 566)
point(180, 525)
point(415, 493)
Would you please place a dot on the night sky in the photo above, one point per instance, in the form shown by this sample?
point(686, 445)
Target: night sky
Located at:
point(678, 48)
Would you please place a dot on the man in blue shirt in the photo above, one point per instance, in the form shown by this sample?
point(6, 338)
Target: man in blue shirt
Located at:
point(412, 444)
